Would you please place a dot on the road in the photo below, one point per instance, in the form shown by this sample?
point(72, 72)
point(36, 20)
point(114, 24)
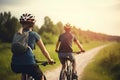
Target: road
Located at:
point(82, 61)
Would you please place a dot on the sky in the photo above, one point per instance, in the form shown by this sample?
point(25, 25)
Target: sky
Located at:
point(102, 16)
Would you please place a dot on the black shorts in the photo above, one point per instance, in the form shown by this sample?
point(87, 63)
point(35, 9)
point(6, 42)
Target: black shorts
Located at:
point(32, 70)
point(62, 57)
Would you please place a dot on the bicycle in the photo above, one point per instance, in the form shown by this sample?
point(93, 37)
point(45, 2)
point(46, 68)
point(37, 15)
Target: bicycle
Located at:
point(66, 74)
point(29, 77)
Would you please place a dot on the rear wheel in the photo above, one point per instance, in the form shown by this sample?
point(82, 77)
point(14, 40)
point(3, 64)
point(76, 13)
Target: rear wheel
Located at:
point(63, 75)
point(44, 77)
point(69, 73)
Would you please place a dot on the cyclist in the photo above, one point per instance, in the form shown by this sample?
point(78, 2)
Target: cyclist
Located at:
point(25, 63)
point(64, 48)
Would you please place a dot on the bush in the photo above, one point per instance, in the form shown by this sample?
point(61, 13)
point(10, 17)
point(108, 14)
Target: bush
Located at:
point(48, 38)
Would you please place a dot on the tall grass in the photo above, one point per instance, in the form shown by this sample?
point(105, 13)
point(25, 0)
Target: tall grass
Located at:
point(5, 59)
point(105, 65)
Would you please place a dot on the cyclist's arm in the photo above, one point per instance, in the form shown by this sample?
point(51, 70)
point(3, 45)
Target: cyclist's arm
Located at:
point(44, 50)
point(79, 45)
point(57, 45)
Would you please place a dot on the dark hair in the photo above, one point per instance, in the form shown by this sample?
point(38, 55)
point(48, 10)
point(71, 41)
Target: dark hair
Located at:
point(27, 25)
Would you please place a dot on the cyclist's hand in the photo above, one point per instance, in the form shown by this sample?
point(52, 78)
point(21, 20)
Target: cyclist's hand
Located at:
point(51, 61)
point(56, 50)
point(82, 50)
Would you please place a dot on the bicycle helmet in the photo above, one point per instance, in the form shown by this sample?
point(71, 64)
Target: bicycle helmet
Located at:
point(27, 18)
point(67, 27)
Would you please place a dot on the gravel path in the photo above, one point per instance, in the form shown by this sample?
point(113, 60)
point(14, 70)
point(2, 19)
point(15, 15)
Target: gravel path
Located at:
point(82, 61)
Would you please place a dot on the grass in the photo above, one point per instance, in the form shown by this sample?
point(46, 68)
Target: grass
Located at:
point(105, 65)
point(40, 56)
point(5, 58)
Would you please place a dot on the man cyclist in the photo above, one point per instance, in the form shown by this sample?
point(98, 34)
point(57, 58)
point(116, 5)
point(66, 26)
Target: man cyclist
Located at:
point(64, 48)
point(25, 63)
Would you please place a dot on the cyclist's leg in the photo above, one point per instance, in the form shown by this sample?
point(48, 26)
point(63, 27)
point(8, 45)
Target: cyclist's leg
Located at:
point(74, 66)
point(36, 72)
point(62, 60)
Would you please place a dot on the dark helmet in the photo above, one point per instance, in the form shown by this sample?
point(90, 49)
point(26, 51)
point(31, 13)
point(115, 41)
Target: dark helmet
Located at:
point(27, 18)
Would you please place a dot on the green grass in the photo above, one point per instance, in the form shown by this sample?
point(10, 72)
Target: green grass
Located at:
point(5, 58)
point(105, 65)
point(53, 54)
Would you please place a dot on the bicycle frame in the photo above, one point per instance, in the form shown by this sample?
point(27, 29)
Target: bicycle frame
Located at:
point(66, 74)
point(69, 69)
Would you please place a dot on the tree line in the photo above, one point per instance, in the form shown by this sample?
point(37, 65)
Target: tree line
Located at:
point(49, 31)
point(10, 24)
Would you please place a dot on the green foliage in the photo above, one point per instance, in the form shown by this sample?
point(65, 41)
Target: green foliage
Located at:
point(48, 27)
point(105, 66)
point(5, 61)
point(8, 26)
point(48, 38)
point(60, 27)
point(35, 28)
point(48, 31)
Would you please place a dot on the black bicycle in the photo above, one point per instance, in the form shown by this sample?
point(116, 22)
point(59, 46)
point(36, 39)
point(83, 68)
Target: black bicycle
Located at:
point(29, 77)
point(66, 74)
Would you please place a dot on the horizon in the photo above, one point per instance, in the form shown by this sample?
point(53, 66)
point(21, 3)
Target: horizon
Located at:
point(97, 15)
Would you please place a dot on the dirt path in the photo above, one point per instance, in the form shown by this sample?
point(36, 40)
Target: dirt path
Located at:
point(82, 61)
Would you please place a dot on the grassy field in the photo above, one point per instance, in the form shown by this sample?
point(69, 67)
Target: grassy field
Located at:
point(5, 58)
point(105, 65)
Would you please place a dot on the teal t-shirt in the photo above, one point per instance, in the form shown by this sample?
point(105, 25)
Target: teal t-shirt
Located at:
point(28, 57)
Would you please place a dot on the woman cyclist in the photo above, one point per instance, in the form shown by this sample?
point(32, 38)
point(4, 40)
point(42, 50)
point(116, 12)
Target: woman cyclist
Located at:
point(64, 47)
point(25, 63)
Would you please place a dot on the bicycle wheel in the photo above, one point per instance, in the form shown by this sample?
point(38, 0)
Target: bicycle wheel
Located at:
point(69, 73)
point(63, 75)
point(44, 77)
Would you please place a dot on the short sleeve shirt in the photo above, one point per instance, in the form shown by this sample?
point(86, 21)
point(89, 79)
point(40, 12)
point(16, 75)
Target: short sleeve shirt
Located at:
point(28, 57)
point(66, 40)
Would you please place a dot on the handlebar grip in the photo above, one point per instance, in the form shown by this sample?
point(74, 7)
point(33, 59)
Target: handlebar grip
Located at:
point(44, 63)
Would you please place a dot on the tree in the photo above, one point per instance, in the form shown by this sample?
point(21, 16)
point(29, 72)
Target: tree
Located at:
point(48, 27)
point(48, 31)
point(8, 26)
point(60, 27)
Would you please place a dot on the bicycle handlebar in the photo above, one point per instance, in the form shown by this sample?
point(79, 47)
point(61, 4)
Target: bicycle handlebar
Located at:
point(44, 63)
point(78, 52)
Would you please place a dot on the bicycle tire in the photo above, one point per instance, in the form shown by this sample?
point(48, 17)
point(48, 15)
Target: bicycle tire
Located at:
point(44, 77)
point(69, 73)
point(63, 75)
